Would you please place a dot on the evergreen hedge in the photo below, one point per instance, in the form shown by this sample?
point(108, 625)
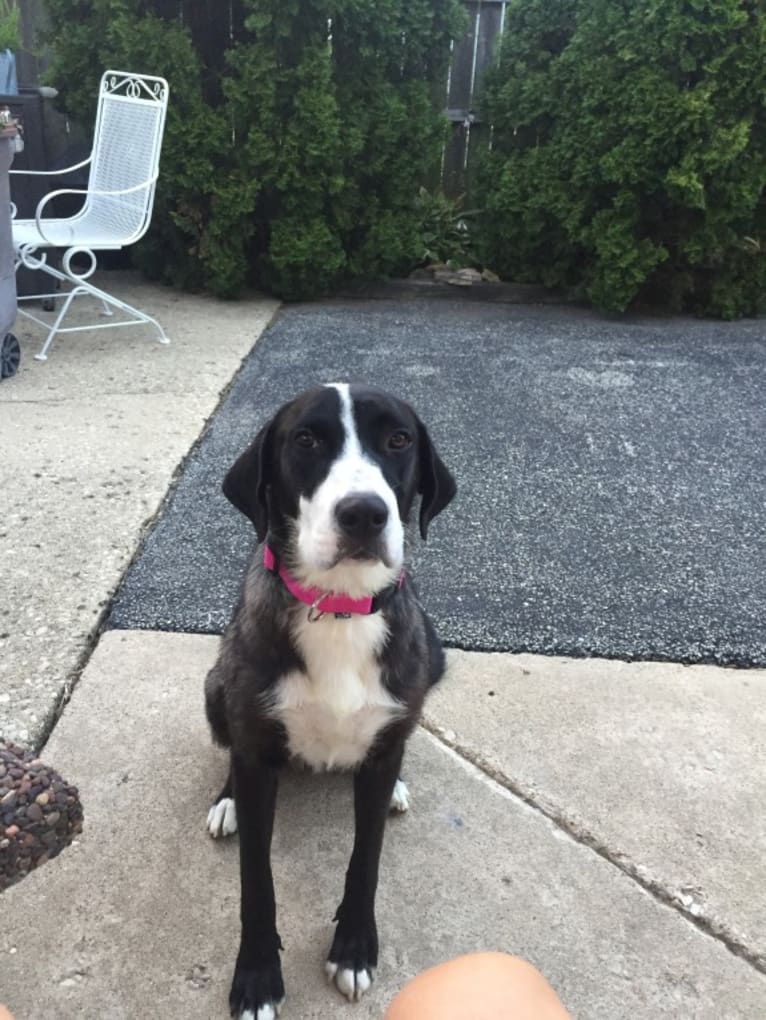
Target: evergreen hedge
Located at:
point(294, 163)
point(628, 155)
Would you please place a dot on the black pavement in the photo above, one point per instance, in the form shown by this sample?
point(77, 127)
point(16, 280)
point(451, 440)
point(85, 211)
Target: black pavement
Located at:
point(612, 476)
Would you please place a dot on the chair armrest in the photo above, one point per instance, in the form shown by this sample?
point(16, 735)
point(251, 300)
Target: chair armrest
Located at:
point(52, 173)
point(86, 192)
point(95, 191)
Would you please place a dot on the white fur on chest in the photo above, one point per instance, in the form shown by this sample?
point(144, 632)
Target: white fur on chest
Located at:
point(334, 711)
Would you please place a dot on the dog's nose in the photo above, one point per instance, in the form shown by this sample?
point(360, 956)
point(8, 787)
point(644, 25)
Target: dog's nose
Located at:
point(362, 515)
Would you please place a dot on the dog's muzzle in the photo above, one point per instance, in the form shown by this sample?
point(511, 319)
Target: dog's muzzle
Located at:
point(361, 519)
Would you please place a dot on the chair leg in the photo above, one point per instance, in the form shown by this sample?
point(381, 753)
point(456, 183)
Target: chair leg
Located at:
point(80, 286)
point(42, 354)
point(108, 300)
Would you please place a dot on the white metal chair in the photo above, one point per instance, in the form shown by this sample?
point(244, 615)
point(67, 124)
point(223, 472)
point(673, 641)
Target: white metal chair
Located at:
point(118, 200)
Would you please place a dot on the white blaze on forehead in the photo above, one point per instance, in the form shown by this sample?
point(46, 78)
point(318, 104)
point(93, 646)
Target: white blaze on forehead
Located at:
point(318, 536)
point(352, 447)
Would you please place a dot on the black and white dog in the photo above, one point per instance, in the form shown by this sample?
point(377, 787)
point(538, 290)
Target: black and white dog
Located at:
point(329, 655)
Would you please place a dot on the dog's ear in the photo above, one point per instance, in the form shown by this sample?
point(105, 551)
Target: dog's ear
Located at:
point(247, 480)
point(436, 484)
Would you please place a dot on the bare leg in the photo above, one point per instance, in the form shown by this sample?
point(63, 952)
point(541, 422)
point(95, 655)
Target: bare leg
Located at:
point(484, 986)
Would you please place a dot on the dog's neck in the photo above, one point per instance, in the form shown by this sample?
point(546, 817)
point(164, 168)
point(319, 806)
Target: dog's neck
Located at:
point(322, 602)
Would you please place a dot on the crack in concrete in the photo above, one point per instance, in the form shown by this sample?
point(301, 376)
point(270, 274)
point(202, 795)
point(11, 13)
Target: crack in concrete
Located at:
point(707, 925)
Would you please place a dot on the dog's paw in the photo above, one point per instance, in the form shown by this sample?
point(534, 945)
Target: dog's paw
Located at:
point(222, 818)
point(269, 1011)
point(351, 983)
point(400, 798)
point(257, 993)
point(352, 960)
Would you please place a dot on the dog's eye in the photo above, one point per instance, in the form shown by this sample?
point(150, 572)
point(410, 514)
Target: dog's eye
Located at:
point(305, 439)
point(399, 440)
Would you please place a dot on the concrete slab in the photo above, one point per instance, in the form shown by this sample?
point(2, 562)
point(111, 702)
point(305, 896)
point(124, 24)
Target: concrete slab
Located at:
point(91, 439)
point(660, 766)
point(139, 919)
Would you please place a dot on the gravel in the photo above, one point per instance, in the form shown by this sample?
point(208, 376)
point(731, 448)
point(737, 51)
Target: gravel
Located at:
point(40, 813)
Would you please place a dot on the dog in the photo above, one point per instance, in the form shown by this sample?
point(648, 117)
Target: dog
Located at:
point(329, 654)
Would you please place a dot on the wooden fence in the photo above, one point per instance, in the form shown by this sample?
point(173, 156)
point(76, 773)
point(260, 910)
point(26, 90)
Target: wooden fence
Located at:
point(213, 35)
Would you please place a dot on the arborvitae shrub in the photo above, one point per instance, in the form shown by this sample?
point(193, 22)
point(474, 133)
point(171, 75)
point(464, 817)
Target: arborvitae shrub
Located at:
point(296, 162)
point(628, 156)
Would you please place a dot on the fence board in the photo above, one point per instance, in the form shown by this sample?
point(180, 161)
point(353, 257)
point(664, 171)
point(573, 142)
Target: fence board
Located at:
point(28, 65)
point(452, 165)
point(462, 64)
point(238, 31)
point(489, 32)
point(471, 55)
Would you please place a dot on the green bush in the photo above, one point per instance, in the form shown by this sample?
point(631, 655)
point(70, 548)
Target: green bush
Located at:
point(445, 230)
point(296, 164)
point(10, 30)
point(629, 151)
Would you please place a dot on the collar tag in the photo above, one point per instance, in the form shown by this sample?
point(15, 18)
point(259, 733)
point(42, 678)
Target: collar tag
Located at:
point(315, 613)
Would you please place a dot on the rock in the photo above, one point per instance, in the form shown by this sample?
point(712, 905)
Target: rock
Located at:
point(489, 277)
point(42, 799)
point(35, 813)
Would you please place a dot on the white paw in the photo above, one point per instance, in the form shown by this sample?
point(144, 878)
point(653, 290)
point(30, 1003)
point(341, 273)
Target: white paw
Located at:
point(222, 821)
point(400, 798)
point(269, 1011)
point(352, 983)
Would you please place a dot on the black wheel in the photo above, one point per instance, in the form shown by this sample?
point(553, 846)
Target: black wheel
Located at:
point(10, 356)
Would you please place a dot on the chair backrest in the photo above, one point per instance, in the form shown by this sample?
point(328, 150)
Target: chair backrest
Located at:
point(126, 153)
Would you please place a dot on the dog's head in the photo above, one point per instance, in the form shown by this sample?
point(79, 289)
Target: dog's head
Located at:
point(333, 477)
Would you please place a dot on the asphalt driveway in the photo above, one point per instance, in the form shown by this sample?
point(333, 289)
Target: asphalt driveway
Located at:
point(612, 476)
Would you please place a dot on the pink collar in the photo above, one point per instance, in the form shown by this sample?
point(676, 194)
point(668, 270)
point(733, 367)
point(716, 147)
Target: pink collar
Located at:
point(323, 602)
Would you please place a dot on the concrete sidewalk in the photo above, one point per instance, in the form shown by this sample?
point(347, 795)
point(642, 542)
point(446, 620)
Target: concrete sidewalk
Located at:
point(140, 918)
point(90, 442)
point(603, 819)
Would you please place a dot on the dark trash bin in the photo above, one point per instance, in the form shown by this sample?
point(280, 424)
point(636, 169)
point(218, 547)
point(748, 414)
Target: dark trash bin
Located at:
point(28, 110)
point(9, 345)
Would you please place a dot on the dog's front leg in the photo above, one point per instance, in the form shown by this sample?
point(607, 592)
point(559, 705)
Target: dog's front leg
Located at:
point(257, 990)
point(354, 954)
